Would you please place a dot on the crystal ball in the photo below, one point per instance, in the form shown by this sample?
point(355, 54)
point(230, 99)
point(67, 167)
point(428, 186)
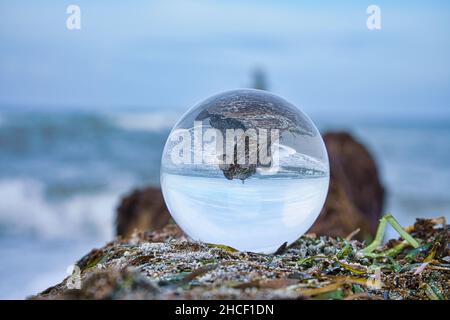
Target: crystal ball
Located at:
point(245, 168)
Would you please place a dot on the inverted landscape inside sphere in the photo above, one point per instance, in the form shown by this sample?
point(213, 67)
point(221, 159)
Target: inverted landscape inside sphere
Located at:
point(251, 109)
point(245, 133)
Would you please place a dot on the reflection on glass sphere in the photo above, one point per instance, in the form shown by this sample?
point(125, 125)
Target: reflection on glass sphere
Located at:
point(245, 168)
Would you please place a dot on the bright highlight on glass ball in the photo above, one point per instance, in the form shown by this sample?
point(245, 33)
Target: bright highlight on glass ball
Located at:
point(245, 168)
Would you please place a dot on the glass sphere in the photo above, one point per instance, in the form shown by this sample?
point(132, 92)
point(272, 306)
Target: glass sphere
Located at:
point(245, 168)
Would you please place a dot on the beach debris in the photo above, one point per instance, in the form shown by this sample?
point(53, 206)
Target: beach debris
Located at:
point(376, 243)
point(164, 265)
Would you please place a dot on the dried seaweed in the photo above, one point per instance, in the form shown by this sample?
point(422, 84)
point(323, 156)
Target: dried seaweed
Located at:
point(166, 265)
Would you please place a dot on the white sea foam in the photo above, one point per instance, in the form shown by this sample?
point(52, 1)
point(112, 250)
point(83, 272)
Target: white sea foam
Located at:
point(145, 121)
point(24, 209)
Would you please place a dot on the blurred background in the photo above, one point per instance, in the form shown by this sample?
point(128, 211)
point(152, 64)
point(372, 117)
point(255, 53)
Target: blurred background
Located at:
point(84, 113)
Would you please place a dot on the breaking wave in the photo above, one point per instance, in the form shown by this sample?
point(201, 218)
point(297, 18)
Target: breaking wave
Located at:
point(24, 209)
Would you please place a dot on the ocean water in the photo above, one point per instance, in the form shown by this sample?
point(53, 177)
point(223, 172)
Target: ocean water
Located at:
point(62, 174)
point(61, 178)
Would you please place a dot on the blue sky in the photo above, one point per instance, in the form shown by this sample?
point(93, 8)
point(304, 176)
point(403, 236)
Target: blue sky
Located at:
point(171, 54)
